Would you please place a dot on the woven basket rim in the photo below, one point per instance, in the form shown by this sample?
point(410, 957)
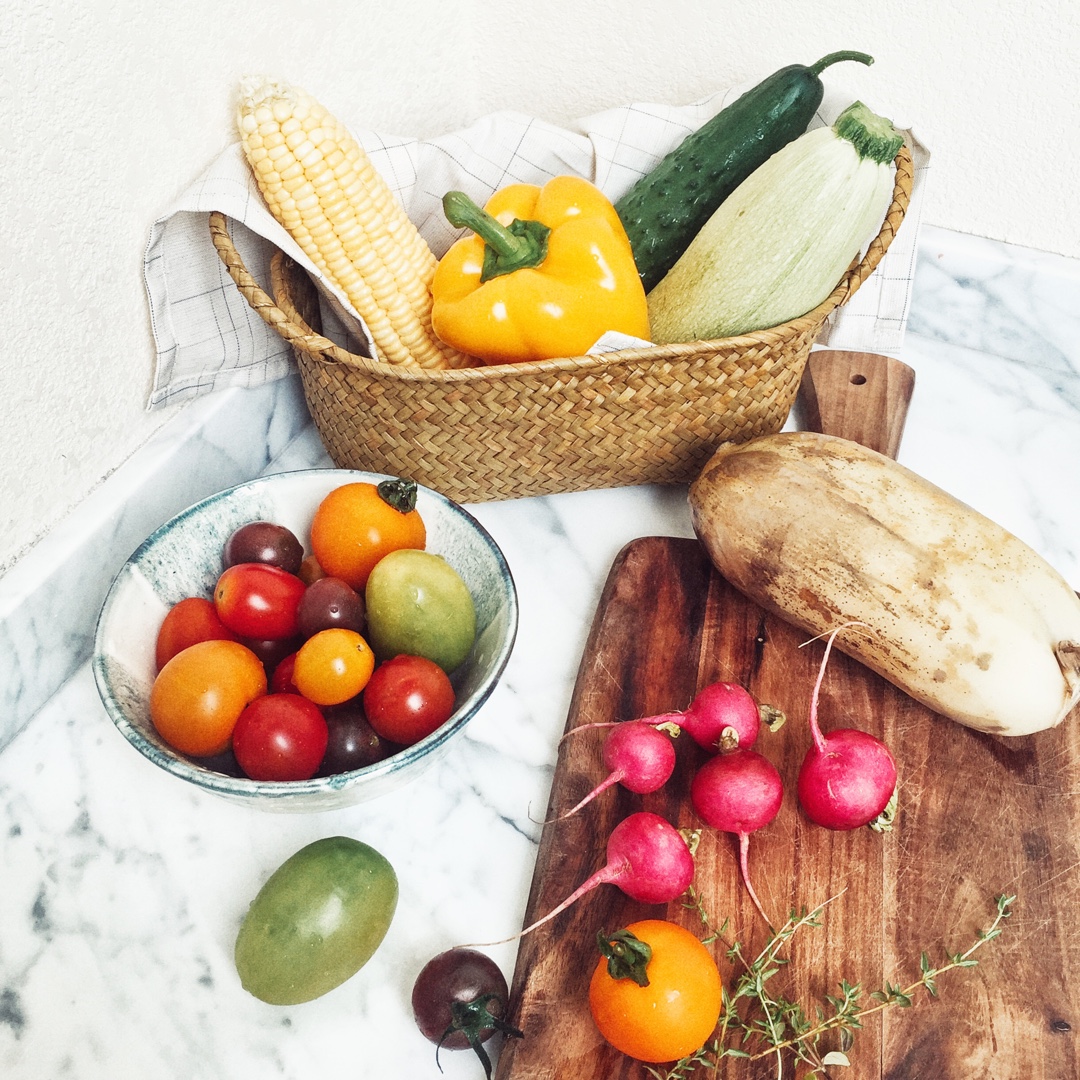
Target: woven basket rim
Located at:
point(282, 316)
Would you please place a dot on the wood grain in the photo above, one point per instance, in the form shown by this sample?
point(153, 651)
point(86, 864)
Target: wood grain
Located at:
point(857, 395)
point(978, 817)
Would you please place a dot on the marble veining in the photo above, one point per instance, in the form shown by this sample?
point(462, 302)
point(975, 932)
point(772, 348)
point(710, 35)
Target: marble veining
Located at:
point(1011, 302)
point(49, 601)
point(121, 887)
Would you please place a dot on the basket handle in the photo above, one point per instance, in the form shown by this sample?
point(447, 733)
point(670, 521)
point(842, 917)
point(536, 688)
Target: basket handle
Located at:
point(262, 302)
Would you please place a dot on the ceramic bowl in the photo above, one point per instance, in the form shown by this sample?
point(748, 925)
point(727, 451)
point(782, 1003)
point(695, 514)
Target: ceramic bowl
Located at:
point(183, 558)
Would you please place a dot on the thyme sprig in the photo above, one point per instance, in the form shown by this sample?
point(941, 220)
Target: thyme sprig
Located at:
point(756, 1023)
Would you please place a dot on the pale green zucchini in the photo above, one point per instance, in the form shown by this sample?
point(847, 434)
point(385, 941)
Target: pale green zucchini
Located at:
point(782, 240)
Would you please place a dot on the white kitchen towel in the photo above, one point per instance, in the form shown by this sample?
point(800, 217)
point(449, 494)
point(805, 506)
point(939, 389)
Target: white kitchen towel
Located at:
point(208, 338)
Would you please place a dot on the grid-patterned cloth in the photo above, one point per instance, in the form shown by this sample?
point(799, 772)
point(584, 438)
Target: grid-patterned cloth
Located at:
point(208, 338)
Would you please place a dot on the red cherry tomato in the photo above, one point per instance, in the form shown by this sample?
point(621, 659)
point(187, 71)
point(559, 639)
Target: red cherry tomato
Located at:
point(187, 623)
point(407, 698)
point(280, 737)
point(259, 601)
point(281, 681)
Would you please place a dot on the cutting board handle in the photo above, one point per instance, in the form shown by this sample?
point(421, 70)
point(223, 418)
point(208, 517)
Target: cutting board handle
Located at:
point(859, 396)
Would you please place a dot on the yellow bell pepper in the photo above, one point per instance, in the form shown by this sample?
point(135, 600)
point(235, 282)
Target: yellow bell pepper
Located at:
point(546, 272)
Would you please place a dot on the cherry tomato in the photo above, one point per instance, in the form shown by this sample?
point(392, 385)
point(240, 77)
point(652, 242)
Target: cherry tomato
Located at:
point(357, 524)
point(353, 743)
point(258, 601)
point(459, 1000)
point(316, 921)
point(407, 698)
point(200, 693)
point(310, 570)
point(280, 737)
point(271, 652)
point(333, 666)
point(281, 678)
point(677, 1011)
point(264, 542)
point(186, 623)
point(418, 604)
point(330, 602)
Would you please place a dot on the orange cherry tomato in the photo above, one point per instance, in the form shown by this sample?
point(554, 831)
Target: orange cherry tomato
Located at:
point(333, 666)
point(357, 524)
point(676, 1013)
point(190, 621)
point(200, 693)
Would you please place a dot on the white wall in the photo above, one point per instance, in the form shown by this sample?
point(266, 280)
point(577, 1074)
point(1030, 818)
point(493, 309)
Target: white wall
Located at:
point(107, 117)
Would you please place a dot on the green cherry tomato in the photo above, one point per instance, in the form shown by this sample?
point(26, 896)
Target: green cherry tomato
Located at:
point(417, 604)
point(318, 919)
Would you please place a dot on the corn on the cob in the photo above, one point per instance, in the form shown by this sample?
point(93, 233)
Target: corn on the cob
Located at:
point(320, 185)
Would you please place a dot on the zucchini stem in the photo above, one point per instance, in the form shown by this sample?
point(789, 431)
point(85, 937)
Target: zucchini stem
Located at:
point(836, 58)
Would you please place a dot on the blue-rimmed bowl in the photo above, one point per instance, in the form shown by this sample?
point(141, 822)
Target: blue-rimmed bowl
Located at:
point(183, 558)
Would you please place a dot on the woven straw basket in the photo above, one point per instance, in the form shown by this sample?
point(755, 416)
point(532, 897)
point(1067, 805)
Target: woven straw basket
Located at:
point(637, 416)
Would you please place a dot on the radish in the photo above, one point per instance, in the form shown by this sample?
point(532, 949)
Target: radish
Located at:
point(739, 792)
point(638, 756)
point(647, 858)
point(723, 716)
point(848, 776)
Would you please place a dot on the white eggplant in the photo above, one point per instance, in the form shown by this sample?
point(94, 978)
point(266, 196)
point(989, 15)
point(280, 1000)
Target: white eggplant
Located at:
point(960, 614)
point(779, 244)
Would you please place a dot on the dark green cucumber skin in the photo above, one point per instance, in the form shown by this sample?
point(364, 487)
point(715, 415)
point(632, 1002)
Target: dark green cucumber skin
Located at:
point(666, 208)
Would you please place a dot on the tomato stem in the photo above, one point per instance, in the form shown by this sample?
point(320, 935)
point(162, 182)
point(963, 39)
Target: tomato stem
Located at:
point(471, 1018)
point(627, 956)
point(399, 494)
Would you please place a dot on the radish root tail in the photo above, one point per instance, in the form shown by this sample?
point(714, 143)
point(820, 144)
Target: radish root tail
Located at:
point(744, 869)
point(601, 877)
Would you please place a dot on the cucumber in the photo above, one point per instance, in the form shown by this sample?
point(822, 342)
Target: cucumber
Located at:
point(665, 209)
point(778, 245)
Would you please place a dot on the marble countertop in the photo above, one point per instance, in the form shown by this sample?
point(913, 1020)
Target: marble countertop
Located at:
point(121, 888)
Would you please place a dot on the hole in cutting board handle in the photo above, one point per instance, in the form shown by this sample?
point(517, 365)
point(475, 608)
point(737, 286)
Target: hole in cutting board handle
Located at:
point(858, 380)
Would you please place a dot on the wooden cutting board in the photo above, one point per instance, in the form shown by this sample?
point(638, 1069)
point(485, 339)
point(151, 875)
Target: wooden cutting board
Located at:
point(978, 817)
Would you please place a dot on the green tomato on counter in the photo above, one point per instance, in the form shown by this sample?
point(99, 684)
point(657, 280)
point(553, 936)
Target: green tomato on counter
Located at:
point(318, 919)
point(418, 605)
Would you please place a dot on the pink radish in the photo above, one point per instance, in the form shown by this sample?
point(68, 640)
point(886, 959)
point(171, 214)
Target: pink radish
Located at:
point(722, 716)
point(647, 858)
point(636, 755)
point(848, 776)
point(739, 793)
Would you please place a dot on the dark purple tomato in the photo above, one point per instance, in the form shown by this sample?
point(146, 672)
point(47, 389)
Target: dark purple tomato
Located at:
point(280, 737)
point(459, 1001)
point(272, 652)
point(264, 542)
point(328, 603)
point(352, 742)
point(225, 762)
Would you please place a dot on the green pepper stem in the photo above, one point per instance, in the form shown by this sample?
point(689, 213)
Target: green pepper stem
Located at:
point(836, 58)
point(463, 213)
point(523, 244)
